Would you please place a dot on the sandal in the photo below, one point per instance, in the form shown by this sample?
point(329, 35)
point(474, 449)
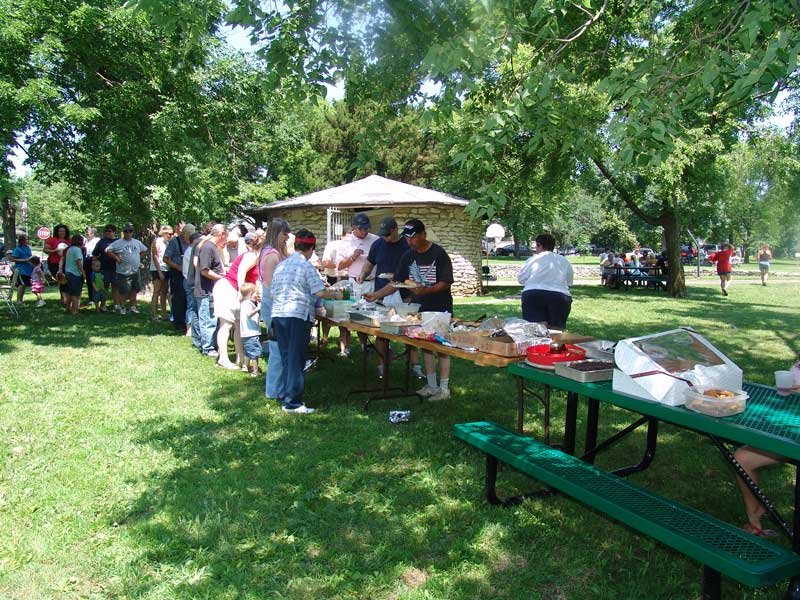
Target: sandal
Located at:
point(758, 532)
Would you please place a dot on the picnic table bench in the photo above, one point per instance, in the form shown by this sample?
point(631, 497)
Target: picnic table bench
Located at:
point(626, 277)
point(721, 548)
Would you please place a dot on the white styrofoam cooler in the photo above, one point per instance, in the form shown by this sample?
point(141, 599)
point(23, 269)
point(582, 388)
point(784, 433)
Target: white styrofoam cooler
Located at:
point(662, 386)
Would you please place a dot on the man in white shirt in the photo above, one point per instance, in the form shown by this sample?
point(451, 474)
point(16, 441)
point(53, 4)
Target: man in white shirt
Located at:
point(330, 259)
point(353, 255)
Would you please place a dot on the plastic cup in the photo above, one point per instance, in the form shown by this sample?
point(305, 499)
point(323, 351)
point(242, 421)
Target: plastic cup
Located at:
point(784, 382)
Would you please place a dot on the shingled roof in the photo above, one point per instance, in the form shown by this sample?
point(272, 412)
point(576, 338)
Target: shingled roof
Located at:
point(373, 190)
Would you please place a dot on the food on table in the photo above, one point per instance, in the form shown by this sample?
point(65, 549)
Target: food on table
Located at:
point(714, 393)
point(716, 402)
point(591, 365)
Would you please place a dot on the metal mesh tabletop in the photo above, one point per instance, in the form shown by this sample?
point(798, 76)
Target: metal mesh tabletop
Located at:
point(770, 422)
point(768, 412)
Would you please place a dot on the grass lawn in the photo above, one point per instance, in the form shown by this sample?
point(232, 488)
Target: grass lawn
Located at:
point(132, 468)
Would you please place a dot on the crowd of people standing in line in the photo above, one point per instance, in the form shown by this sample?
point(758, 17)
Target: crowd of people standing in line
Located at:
point(224, 284)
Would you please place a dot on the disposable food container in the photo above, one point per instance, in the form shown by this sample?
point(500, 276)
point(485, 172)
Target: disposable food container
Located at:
point(698, 401)
point(586, 370)
point(405, 309)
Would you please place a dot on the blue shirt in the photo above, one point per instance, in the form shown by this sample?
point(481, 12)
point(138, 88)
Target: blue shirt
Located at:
point(386, 256)
point(294, 284)
point(24, 268)
point(175, 250)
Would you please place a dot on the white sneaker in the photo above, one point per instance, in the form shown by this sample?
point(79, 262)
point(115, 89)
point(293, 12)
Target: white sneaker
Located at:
point(134, 310)
point(301, 409)
point(40, 303)
point(440, 395)
point(427, 391)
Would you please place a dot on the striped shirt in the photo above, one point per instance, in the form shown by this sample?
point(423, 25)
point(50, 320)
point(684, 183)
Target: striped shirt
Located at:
point(294, 285)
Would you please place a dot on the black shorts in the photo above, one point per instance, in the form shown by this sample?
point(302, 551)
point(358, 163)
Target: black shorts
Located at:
point(24, 280)
point(74, 285)
point(53, 268)
point(108, 276)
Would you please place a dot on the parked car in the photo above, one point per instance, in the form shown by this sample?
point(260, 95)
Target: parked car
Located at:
point(508, 250)
point(568, 251)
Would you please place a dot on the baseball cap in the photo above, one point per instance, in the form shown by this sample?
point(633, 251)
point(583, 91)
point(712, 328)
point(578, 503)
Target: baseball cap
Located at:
point(387, 224)
point(412, 228)
point(361, 221)
point(128, 227)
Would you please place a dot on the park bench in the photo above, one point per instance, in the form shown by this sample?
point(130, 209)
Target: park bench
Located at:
point(720, 547)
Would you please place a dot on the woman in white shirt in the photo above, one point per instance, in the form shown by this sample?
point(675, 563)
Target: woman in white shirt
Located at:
point(546, 277)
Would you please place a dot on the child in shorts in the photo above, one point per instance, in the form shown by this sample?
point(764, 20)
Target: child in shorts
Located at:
point(98, 286)
point(37, 280)
point(250, 327)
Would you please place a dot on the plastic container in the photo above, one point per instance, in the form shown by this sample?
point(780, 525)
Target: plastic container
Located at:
point(698, 401)
point(405, 309)
point(437, 322)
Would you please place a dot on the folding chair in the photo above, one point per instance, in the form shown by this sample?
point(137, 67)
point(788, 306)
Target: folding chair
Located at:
point(7, 293)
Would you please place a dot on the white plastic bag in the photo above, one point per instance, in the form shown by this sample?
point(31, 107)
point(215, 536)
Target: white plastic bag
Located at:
point(662, 366)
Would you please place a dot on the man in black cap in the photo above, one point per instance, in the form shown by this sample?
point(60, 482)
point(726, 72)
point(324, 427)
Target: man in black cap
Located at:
point(384, 255)
point(429, 267)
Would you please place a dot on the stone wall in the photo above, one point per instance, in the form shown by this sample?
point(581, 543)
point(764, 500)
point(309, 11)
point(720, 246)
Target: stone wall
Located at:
point(448, 226)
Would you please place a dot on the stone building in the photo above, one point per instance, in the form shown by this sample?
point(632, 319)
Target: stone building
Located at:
point(328, 212)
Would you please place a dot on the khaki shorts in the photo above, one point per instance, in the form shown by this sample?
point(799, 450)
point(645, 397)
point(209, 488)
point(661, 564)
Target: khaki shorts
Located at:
point(127, 283)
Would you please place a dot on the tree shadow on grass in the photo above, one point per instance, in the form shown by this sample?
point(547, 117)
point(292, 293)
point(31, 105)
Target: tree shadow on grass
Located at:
point(343, 504)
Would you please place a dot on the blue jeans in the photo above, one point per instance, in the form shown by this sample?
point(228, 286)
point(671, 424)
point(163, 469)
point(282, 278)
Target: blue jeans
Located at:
point(272, 387)
point(206, 323)
point(191, 315)
point(293, 337)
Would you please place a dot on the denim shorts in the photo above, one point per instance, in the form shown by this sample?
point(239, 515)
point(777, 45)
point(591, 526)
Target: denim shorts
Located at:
point(252, 347)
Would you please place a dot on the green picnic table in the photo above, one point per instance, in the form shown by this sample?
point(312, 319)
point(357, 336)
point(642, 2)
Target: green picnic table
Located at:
point(770, 422)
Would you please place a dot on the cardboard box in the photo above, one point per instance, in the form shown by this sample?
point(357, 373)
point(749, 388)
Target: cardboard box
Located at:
point(501, 346)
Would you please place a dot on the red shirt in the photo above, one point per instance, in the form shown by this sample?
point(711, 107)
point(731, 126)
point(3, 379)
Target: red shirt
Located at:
point(233, 271)
point(723, 260)
point(52, 243)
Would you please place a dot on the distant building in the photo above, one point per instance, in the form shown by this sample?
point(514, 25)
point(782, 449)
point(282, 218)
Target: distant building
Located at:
point(328, 212)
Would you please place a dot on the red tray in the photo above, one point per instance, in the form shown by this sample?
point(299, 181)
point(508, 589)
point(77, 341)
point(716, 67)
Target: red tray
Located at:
point(546, 361)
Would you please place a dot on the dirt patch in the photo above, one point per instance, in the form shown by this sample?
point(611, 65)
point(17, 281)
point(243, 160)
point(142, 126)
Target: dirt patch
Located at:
point(414, 577)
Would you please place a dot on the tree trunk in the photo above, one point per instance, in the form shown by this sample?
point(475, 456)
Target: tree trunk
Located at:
point(676, 281)
point(746, 246)
point(9, 215)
